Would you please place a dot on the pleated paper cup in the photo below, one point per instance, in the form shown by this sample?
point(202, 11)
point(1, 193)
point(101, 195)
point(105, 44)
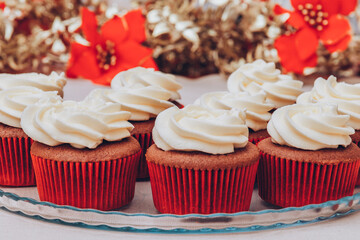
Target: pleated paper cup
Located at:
point(179, 105)
point(185, 191)
point(290, 183)
point(256, 140)
point(255, 137)
point(358, 178)
point(145, 141)
point(16, 169)
point(103, 185)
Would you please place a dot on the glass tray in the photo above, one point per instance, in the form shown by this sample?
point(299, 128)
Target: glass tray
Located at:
point(141, 215)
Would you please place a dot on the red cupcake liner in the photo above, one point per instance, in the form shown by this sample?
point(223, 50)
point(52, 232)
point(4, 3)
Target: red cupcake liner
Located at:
point(16, 168)
point(183, 191)
point(145, 141)
point(358, 178)
point(286, 183)
point(103, 185)
point(179, 105)
point(256, 140)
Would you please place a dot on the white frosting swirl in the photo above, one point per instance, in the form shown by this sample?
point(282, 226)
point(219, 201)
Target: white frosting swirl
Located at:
point(81, 125)
point(310, 127)
point(346, 96)
point(281, 90)
point(257, 110)
point(14, 100)
point(140, 77)
point(52, 82)
point(196, 128)
point(143, 103)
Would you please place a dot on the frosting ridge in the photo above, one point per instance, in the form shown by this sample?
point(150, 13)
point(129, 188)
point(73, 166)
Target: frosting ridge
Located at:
point(14, 100)
point(346, 96)
point(280, 89)
point(196, 128)
point(52, 82)
point(140, 77)
point(310, 127)
point(81, 125)
point(257, 110)
point(143, 103)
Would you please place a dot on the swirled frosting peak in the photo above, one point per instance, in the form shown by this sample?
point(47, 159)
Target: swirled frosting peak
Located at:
point(346, 96)
point(140, 77)
point(143, 103)
point(52, 82)
point(310, 127)
point(280, 89)
point(14, 100)
point(196, 128)
point(257, 110)
point(81, 125)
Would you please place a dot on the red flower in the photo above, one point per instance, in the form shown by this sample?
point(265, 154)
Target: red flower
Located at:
point(117, 47)
point(316, 21)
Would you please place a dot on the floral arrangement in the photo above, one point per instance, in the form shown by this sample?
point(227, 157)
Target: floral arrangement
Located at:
point(36, 35)
point(313, 22)
point(115, 48)
point(314, 37)
point(88, 39)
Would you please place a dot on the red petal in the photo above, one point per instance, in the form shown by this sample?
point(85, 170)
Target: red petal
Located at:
point(76, 50)
point(296, 20)
point(344, 7)
point(337, 29)
point(280, 10)
point(289, 56)
point(296, 3)
point(89, 26)
point(332, 7)
point(340, 46)
point(347, 7)
point(106, 77)
point(114, 30)
point(136, 23)
point(149, 63)
point(82, 64)
point(306, 42)
point(132, 53)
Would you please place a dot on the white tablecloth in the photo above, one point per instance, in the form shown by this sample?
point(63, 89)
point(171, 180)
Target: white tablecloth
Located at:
point(14, 227)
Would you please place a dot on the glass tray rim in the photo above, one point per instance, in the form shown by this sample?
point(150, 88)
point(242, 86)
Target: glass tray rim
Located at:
point(345, 200)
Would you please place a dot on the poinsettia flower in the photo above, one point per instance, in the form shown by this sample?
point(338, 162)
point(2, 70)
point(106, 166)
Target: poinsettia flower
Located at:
point(315, 21)
point(115, 48)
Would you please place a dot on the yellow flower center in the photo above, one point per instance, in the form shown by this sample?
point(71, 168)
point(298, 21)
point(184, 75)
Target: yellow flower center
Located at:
point(314, 15)
point(106, 57)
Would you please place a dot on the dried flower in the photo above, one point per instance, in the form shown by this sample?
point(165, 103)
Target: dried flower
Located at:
point(194, 38)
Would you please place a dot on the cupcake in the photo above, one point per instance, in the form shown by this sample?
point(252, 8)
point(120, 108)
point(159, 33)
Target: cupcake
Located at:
point(140, 77)
point(201, 161)
point(257, 109)
point(145, 93)
point(15, 162)
point(52, 82)
point(83, 155)
point(280, 89)
point(309, 158)
point(345, 96)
